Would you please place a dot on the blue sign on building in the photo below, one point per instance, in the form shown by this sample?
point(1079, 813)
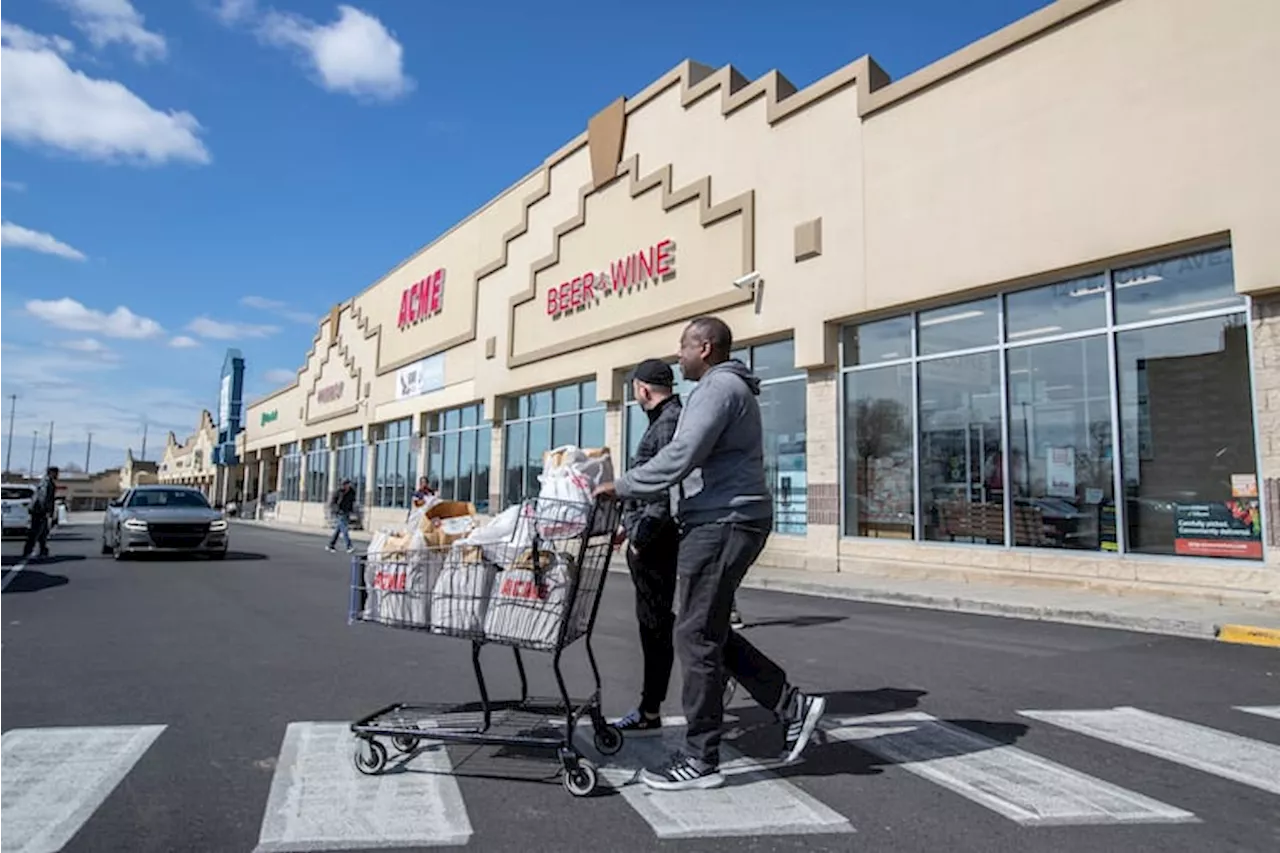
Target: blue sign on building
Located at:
point(230, 408)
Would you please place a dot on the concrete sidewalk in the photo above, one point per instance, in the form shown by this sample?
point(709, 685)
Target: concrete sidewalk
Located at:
point(1178, 616)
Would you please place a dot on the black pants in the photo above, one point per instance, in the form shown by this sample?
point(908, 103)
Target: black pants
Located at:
point(39, 532)
point(653, 572)
point(714, 559)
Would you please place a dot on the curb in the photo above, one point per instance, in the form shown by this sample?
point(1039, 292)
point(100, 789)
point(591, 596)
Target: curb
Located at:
point(1249, 635)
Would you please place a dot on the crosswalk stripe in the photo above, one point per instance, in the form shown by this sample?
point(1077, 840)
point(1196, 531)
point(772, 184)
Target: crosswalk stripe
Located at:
point(318, 801)
point(1272, 711)
point(54, 779)
point(1241, 759)
point(1023, 787)
point(753, 801)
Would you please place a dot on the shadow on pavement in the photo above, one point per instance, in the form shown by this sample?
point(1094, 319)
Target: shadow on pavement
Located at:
point(33, 580)
point(795, 622)
point(233, 556)
point(239, 556)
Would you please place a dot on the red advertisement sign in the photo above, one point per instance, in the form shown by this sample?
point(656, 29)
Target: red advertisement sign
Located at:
point(650, 264)
point(422, 299)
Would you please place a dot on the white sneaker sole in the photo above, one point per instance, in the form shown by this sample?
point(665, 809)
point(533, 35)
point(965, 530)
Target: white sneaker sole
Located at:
point(811, 720)
point(702, 783)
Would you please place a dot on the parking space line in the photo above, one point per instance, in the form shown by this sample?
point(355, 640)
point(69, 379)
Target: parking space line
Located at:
point(1272, 711)
point(13, 573)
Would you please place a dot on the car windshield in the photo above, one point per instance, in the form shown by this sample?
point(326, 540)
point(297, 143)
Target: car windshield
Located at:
point(168, 498)
point(18, 493)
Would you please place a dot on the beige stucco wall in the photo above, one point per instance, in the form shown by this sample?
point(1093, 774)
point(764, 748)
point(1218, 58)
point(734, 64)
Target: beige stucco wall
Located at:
point(1087, 133)
point(191, 460)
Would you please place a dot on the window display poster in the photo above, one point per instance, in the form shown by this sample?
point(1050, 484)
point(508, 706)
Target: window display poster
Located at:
point(421, 377)
point(1244, 486)
point(1060, 471)
point(1219, 529)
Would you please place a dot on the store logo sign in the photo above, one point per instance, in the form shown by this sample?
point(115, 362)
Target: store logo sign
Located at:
point(268, 417)
point(421, 300)
point(330, 393)
point(634, 270)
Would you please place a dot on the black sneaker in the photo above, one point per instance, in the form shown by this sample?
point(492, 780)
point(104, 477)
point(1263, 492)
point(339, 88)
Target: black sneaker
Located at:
point(638, 721)
point(683, 773)
point(735, 620)
point(801, 719)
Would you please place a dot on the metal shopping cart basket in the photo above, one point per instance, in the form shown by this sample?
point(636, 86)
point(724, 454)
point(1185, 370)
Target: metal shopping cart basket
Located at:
point(539, 591)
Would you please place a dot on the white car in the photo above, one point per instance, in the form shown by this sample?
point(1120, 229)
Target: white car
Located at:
point(17, 498)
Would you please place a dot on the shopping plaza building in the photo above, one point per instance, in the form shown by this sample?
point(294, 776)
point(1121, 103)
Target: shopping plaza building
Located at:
point(1017, 313)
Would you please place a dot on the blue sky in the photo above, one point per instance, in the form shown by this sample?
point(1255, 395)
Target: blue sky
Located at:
point(180, 176)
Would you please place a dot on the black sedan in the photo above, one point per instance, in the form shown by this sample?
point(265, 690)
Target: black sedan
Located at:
point(163, 520)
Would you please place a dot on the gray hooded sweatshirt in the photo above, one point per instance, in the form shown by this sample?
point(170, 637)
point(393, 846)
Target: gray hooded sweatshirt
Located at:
point(714, 466)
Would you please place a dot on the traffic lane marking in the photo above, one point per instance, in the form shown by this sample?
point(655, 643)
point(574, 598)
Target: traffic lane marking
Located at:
point(13, 573)
point(1021, 786)
point(1272, 711)
point(1231, 756)
point(753, 802)
point(319, 801)
point(54, 779)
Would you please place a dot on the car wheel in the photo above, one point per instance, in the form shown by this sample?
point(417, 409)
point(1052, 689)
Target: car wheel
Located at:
point(118, 552)
point(106, 549)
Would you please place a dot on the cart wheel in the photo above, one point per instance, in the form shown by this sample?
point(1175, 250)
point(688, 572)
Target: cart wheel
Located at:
point(580, 780)
point(608, 740)
point(370, 756)
point(405, 743)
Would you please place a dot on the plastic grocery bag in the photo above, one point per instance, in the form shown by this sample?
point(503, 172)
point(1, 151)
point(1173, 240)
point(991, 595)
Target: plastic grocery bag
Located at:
point(570, 475)
point(460, 593)
point(528, 604)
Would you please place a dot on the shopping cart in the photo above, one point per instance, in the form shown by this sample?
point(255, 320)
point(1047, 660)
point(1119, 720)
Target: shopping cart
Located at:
point(539, 591)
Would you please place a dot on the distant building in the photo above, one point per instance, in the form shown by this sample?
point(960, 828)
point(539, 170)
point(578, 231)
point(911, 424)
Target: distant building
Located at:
point(137, 472)
point(190, 462)
point(82, 492)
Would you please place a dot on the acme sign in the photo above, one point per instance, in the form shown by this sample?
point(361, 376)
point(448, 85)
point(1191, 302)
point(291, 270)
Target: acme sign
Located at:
point(329, 393)
point(422, 299)
point(651, 264)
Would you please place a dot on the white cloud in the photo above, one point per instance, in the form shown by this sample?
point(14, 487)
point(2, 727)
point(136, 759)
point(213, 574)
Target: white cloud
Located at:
point(183, 342)
point(91, 345)
point(16, 186)
point(105, 22)
point(23, 39)
point(356, 54)
point(234, 11)
point(281, 309)
point(67, 313)
point(17, 237)
point(219, 331)
point(44, 102)
point(280, 376)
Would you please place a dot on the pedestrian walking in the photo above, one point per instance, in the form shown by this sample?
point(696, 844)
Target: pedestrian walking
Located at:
point(421, 495)
point(43, 507)
point(714, 467)
point(653, 544)
point(343, 503)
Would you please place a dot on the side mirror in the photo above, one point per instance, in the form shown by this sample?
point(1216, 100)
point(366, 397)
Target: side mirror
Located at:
point(116, 504)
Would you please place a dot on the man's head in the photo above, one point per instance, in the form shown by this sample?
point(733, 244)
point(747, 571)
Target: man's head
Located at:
point(652, 382)
point(53, 473)
point(346, 484)
point(706, 342)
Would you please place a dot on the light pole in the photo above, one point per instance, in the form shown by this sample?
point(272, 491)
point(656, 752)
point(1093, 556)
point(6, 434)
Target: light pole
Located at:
point(48, 459)
point(35, 439)
point(8, 455)
point(88, 448)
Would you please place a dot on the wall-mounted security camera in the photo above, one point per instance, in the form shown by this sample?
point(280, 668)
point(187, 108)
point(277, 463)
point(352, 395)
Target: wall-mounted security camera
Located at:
point(751, 279)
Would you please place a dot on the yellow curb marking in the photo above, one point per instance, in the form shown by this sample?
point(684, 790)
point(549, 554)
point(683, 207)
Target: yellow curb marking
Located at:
point(1250, 635)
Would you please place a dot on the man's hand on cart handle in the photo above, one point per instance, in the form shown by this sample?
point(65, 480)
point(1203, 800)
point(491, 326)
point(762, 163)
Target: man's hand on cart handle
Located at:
point(605, 491)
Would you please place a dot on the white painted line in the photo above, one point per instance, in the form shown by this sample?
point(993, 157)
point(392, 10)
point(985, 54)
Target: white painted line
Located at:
point(55, 779)
point(1272, 711)
point(1025, 788)
point(319, 801)
point(1241, 759)
point(753, 801)
point(13, 573)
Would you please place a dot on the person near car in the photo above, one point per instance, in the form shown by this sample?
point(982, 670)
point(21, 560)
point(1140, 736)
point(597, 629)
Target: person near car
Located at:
point(342, 504)
point(43, 507)
point(653, 543)
point(714, 470)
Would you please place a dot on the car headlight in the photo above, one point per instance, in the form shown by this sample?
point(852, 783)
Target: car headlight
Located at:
point(218, 525)
point(135, 524)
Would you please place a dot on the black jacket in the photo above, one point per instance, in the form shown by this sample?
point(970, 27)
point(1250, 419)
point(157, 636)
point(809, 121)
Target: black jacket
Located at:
point(46, 496)
point(644, 520)
point(344, 501)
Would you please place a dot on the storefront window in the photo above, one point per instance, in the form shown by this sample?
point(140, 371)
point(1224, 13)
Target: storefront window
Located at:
point(879, 451)
point(395, 463)
point(1186, 411)
point(291, 472)
point(782, 414)
point(317, 483)
point(538, 422)
point(348, 459)
point(1060, 445)
point(458, 448)
point(1180, 346)
point(961, 449)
